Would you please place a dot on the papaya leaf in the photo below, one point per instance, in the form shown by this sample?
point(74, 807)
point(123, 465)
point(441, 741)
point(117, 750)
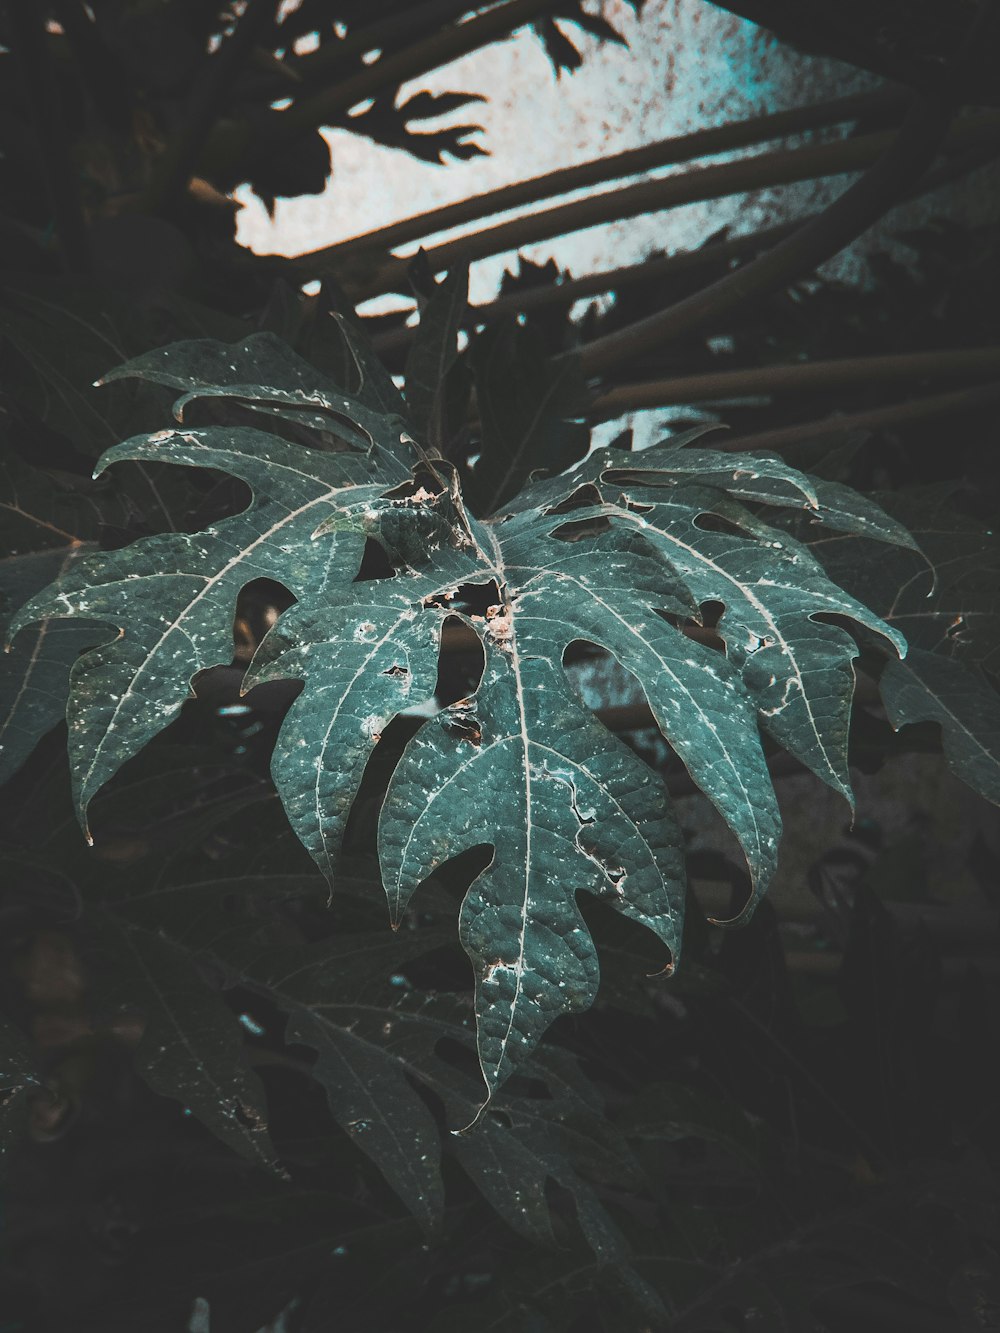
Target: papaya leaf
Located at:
point(172, 597)
point(432, 354)
point(948, 606)
point(529, 411)
point(266, 375)
point(625, 552)
point(376, 1041)
point(191, 1047)
point(929, 687)
point(945, 600)
point(49, 525)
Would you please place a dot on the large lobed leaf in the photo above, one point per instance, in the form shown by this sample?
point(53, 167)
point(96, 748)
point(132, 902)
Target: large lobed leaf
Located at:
point(624, 552)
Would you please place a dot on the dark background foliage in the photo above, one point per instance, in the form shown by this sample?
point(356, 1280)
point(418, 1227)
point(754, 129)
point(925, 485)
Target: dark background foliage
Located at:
point(796, 1132)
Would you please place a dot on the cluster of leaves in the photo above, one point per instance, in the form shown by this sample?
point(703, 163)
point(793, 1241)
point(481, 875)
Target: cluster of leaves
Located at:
point(240, 1090)
point(620, 552)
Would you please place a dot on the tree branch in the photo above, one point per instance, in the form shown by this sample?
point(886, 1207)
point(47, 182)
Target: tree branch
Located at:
point(804, 377)
point(923, 133)
point(714, 255)
point(634, 162)
point(763, 170)
point(895, 414)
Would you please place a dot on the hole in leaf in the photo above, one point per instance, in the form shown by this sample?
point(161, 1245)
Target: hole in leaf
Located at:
point(461, 721)
point(629, 953)
point(469, 599)
point(709, 522)
point(362, 823)
point(375, 563)
point(258, 607)
point(587, 527)
point(461, 663)
point(582, 498)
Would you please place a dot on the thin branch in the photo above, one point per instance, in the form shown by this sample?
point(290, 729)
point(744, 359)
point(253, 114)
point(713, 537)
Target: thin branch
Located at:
point(714, 255)
point(896, 414)
point(803, 377)
point(634, 162)
point(763, 170)
point(924, 133)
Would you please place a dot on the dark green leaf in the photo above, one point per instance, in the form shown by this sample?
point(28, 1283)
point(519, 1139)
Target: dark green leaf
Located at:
point(530, 412)
point(432, 354)
point(928, 687)
point(191, 1047)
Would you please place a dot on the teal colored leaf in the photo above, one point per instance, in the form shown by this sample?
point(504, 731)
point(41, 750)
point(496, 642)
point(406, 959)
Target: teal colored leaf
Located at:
point(627, 552)
point(171, 598)
point(50, 523)
point(945, 600)
point(947, 603)
point(928, 687)
point(35, 672)
point(265, 374)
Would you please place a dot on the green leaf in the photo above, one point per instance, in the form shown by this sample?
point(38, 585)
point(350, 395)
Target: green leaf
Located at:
point(529, 412)
point(432, 354)
point(35, 672)
point(948, 606)
point(50, 524)
point(172, 597)
point(928, 687)
point(191, 1047)
point(263, 373)
point(625, 552)
point(946, 600)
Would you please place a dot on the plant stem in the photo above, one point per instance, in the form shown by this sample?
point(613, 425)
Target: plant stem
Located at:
point(804, 377)
point(634, 162)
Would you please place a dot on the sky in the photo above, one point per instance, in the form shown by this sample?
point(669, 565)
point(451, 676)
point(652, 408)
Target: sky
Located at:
point(688, 65)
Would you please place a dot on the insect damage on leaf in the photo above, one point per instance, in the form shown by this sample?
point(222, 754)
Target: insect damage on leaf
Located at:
point(622, 552)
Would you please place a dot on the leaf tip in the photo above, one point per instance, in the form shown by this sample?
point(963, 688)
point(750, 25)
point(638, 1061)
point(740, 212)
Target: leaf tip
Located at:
point(476, 1120)
point(667, 970)
point(740, 919)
